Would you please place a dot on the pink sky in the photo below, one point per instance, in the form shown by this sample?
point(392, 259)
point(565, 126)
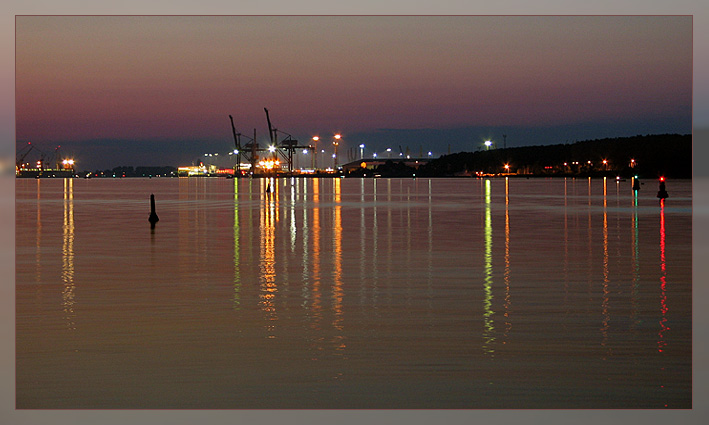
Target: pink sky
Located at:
point(180, 77)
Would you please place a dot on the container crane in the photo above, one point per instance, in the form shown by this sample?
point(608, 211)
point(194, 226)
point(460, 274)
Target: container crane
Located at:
point(18, 164)
point(288, 144)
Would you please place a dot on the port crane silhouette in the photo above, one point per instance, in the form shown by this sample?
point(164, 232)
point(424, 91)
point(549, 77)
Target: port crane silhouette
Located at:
point(250, 151)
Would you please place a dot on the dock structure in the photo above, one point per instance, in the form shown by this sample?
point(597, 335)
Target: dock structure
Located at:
point(373, 163)
point(253, 153)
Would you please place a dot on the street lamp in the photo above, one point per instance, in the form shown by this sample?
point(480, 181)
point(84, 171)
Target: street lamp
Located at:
point(361, 151)
point(336, 143)
point(488, 143)
point(389, 150)
point(315, 150)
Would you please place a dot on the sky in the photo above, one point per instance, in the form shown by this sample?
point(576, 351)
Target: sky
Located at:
point(158, 90)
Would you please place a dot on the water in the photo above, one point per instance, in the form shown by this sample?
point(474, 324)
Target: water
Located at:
point(350, 293)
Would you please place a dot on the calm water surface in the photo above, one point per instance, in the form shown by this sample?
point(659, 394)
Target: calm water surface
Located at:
point(350, 293)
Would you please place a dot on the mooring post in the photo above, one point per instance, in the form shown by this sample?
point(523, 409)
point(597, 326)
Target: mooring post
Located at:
point(662, 193)
point(153, 216)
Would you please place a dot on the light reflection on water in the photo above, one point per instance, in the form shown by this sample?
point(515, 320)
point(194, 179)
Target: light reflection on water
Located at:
point(572, 287)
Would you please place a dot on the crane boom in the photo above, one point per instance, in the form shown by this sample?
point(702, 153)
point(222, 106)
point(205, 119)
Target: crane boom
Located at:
point(271, 132)
point(233, 130)
point(22, 158)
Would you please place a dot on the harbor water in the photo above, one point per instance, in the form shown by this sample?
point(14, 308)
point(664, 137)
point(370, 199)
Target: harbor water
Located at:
point(353, 293)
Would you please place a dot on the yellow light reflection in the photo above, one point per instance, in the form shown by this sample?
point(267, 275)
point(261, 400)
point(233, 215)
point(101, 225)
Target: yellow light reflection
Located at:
point(489, 325)
point(38, 248)
point(606, 280)
point(566, 244)
point(508, 298)
point(362, 239)
point(337, 291)
point(68, 299)
point(590, 237)
point(267, 264)
point(316, 306)
point(375, 246)
point(306, 247)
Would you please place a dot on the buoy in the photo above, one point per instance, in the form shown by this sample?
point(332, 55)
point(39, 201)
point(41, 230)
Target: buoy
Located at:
point(153, 216)
point(636, 184)
point(662, 193)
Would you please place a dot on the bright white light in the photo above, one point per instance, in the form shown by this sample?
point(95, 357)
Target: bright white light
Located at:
point(271, 149)
point(488, 143)
point(316, 138)
point(361, 146)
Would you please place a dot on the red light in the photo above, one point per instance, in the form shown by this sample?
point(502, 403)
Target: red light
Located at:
point(662, 179)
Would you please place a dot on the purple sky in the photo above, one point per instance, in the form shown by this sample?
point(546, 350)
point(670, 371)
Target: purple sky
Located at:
point(147, 80)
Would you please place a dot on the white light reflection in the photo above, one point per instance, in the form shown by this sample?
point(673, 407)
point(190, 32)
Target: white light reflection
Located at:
point(237, 259)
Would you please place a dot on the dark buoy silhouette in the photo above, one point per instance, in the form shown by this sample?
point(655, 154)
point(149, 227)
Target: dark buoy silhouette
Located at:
point(636, 184)
point(662, 193)
point(268, 187)
point(153, 216)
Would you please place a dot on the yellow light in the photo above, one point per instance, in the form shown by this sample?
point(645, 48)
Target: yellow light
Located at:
point(363, 165)
point(316, 138)
point(338, 136)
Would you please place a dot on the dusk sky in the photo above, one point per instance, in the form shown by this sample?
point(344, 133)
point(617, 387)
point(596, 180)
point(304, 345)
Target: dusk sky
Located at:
point(152, 90)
